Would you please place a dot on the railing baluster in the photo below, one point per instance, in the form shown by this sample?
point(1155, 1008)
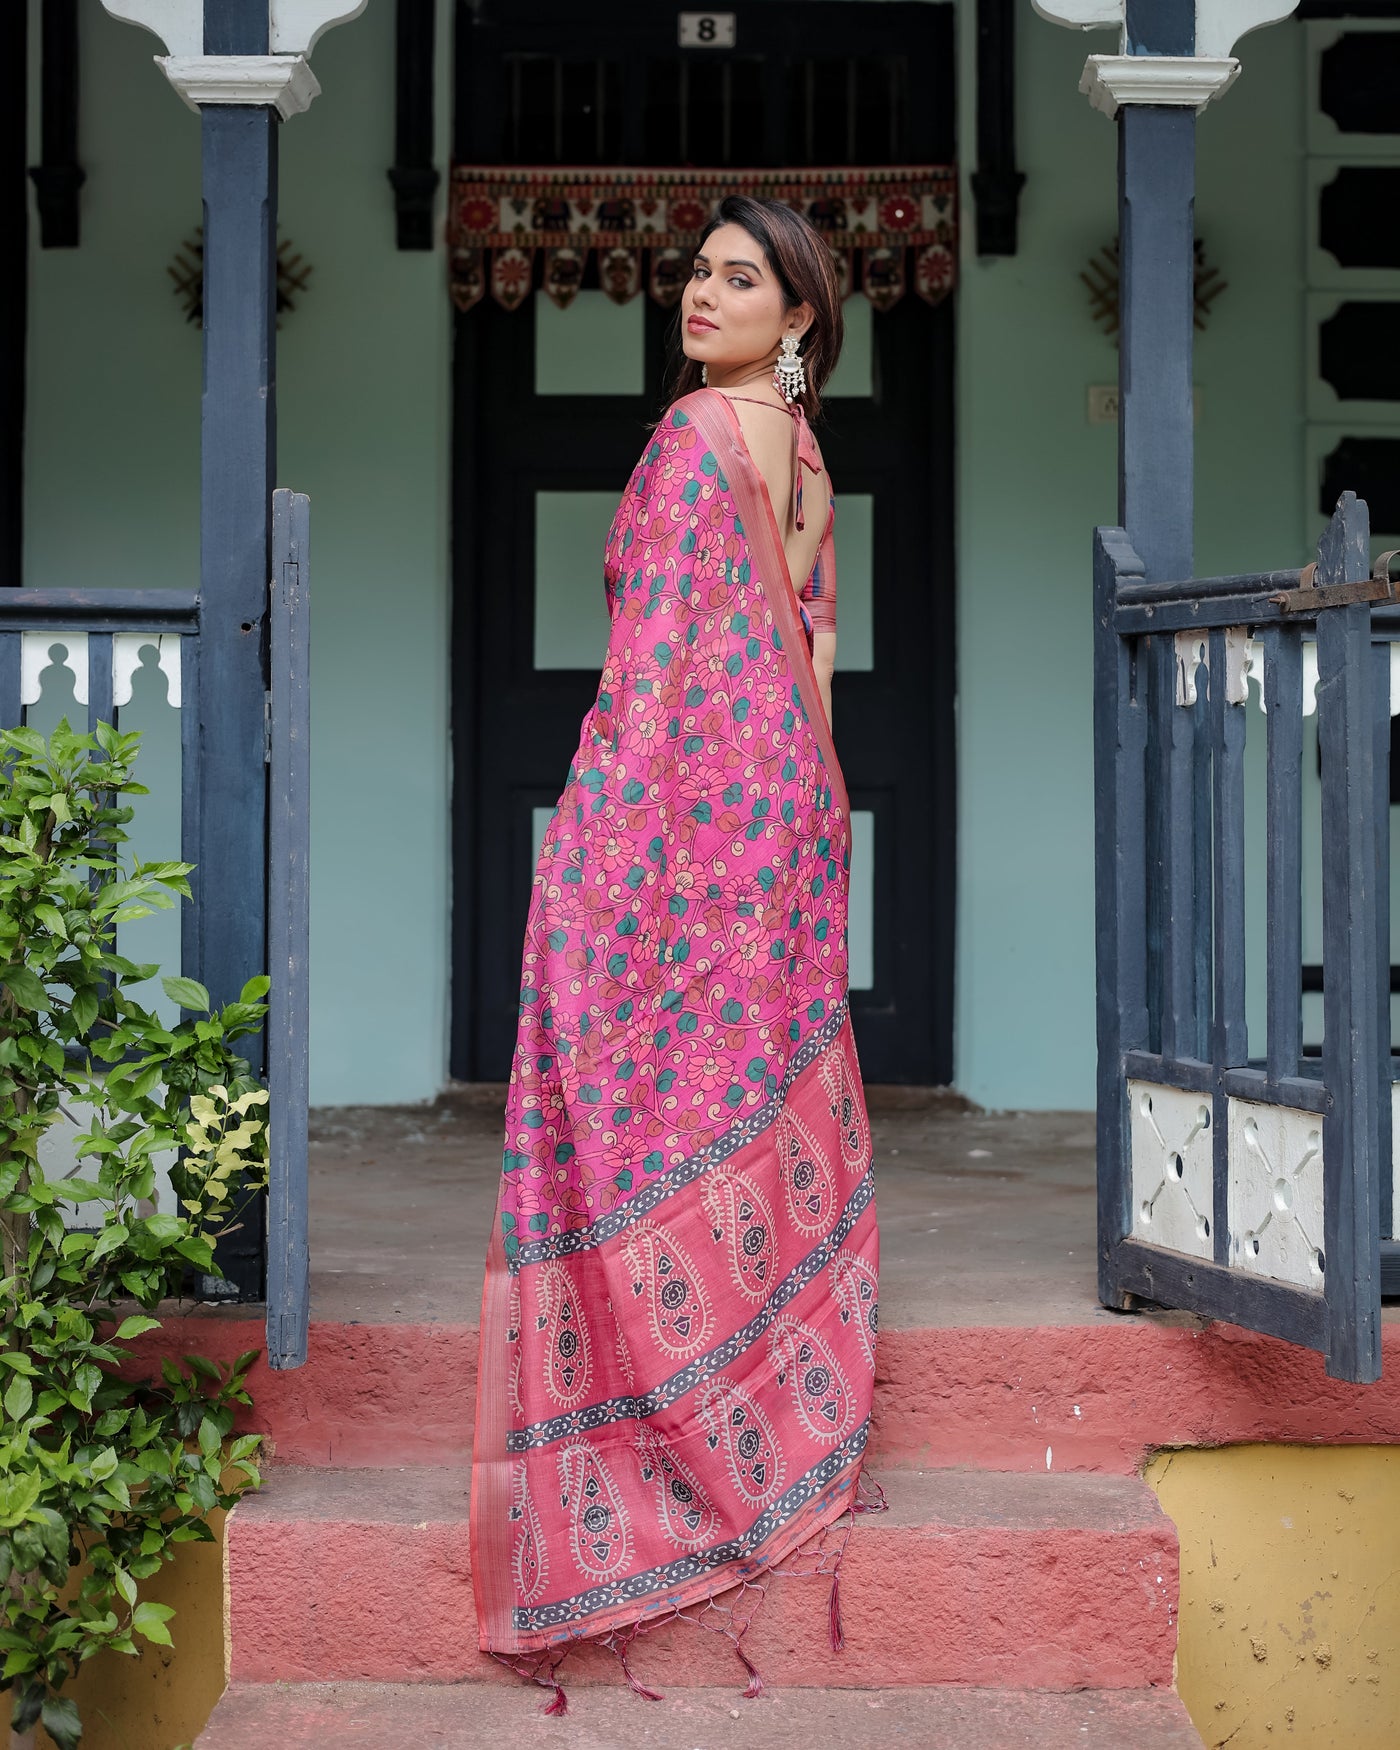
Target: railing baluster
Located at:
point(1173, 771)
point(11, 709)
point(191, 803)
point(1201, 904)
point(1283, 692)
point(1380, 778)
point(99, 655)
point(1230, 1035)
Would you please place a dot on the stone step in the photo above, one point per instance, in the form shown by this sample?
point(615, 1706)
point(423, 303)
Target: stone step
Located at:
point(1091, 1397)
point(993, 1578)
point(465, 1716)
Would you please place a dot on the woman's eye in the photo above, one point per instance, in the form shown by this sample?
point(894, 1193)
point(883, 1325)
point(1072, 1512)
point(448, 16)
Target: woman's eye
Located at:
point(698, 273)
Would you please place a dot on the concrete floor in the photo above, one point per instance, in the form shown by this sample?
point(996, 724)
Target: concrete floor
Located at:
point(985, 1220)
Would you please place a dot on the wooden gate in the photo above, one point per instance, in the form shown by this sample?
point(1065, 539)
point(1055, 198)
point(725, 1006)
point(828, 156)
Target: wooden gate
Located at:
point(1252, 1186)
point(103, 631)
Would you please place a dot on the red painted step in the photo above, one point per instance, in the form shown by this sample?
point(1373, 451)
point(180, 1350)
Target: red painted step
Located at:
point(464, 1717)
point(1091, 1397)
point(1048, 1582)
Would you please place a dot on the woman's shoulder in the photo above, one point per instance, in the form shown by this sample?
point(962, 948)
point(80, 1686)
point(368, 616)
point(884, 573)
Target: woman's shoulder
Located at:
point(686, 406)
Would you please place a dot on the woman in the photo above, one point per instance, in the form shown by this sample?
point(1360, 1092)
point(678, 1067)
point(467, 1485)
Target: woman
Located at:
point(678, 1325)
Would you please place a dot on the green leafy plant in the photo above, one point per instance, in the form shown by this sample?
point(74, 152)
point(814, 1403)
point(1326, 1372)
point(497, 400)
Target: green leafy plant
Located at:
point(103, 1472)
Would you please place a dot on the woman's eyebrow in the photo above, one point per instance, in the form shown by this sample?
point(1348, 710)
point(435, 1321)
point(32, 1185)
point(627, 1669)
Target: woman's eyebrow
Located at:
point(752, 265)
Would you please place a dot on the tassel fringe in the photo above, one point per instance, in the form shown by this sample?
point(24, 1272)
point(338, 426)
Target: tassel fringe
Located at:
point(756, 1684)
point(560, 1703)
point(634, 1683)
point(838, 1638)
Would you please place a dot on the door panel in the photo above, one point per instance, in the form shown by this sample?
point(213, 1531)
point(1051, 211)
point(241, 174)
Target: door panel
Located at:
point(552, 409)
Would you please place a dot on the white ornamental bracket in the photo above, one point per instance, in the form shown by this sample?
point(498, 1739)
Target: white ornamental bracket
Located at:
point(281, 79)
point(1181, 81)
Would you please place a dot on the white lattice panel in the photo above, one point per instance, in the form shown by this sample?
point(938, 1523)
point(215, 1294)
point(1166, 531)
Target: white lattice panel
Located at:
point(1275, 1192)
point(1171, 1147)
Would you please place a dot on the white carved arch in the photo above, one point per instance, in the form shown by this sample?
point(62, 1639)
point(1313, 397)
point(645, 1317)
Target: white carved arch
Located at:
point(294, 26)
point(1219, 23)
point(36, 655)
point(298, 25)
point(126, 659)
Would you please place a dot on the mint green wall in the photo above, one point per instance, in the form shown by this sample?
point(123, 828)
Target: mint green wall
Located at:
point(112, 496)
point(1034, 478)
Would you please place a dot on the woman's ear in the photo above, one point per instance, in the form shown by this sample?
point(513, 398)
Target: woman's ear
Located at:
point(799, 319)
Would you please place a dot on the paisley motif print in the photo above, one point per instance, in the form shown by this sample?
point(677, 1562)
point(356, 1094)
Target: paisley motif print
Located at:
point(567, 1362)
point(529, 1557)
point(855, 1289)
point(847, 1105)
point(600, 1533)
point(806, 1365)
point(735, 1422)
point(743, 1224)
point(807, 1176)
point(687, 1519)
point(666, 1282)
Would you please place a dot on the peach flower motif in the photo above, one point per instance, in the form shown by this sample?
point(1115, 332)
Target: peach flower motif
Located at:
point(708, 1069)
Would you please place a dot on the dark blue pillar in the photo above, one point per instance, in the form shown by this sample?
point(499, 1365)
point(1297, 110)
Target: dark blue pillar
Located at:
point(226, 941)
point(1156, 228)
point(1156, 231)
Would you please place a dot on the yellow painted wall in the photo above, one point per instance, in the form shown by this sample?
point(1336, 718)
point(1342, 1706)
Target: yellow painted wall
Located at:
point(1290, 1593)
point(162, 1699)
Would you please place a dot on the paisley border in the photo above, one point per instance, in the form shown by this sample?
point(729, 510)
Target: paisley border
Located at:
point(594, 1416)
point(638, 1587)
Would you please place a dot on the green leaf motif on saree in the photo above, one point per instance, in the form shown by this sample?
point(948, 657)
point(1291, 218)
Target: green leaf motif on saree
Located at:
point(654, 1161)
point(709, 464)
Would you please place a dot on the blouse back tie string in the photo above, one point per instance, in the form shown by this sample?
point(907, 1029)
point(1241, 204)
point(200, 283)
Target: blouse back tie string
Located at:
point(805, 447)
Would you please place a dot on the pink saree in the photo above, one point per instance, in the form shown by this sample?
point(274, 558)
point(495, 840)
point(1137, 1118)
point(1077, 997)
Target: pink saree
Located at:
point(678, 1324)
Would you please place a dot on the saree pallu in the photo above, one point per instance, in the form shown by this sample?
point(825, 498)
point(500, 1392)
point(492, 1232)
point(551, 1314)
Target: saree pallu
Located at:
point(679, 1318)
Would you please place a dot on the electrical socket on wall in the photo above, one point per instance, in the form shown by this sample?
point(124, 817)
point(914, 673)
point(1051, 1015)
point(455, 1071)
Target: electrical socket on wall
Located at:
point(1103, 404)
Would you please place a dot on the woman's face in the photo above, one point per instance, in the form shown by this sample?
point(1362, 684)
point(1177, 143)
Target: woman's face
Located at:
point(732, 311)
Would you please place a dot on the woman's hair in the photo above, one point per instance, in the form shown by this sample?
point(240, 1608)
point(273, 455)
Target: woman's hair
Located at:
point(805, 273)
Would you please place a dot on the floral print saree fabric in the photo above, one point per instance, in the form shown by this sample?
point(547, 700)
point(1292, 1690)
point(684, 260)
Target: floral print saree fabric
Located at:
point(679, 1319)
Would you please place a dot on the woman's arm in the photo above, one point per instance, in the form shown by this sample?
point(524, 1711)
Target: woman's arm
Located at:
point(824, 662)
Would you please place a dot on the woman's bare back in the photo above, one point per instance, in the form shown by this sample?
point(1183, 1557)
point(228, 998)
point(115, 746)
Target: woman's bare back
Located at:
point(771, 437)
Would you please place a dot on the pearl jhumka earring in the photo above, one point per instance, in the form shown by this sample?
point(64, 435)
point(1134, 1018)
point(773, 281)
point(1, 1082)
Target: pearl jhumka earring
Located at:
point(789, 378)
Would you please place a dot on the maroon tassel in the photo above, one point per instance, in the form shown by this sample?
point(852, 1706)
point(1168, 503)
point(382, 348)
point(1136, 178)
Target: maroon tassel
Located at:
point(637, 1687)
point(838, 1638)
point(560, 1704)
point(755, 1687)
